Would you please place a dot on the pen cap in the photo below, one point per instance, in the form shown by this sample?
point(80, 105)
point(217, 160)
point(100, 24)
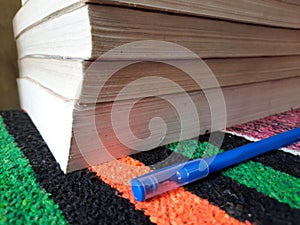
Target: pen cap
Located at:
point(169, 178)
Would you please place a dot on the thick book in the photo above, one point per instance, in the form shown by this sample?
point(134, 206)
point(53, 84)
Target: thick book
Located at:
point(74, 134)
point(76, 79)
point(88, 31)
point(284, 13)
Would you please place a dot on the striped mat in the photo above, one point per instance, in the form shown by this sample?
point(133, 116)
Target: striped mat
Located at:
point(264, 190)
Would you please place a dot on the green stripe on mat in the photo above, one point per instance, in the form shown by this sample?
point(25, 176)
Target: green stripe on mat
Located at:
point(275, 184)
point(22, 200)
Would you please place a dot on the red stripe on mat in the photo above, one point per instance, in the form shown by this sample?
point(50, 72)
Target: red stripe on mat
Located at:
point(269, 126)
point(175, 207)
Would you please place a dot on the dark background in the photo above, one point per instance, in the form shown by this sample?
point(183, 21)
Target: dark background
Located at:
point(8, 56)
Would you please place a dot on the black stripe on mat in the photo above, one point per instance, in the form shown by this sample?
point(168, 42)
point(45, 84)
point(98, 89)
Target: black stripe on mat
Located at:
point(237, 200)
point(159, 158)
point(243, 203)
point(83, 198)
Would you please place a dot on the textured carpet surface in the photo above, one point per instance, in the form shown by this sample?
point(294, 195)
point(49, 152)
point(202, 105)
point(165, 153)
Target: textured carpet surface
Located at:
point(270, 126)
point(264, 190)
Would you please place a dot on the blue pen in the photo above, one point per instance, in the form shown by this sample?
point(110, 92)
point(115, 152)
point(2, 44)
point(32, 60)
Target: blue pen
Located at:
point(169, 178)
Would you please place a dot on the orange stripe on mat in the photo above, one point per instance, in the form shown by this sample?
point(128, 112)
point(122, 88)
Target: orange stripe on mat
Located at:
point(175, 207)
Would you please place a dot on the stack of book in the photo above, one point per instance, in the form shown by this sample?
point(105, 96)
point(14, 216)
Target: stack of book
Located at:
point(249, 50)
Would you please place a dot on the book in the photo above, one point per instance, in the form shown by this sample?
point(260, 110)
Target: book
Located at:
point(74, 78)
point(284, 13)
point(58, 119)
point(100, 28)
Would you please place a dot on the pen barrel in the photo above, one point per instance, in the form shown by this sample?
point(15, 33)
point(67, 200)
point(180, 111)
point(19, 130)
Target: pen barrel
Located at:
point(169, 178)
point(252, 150)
